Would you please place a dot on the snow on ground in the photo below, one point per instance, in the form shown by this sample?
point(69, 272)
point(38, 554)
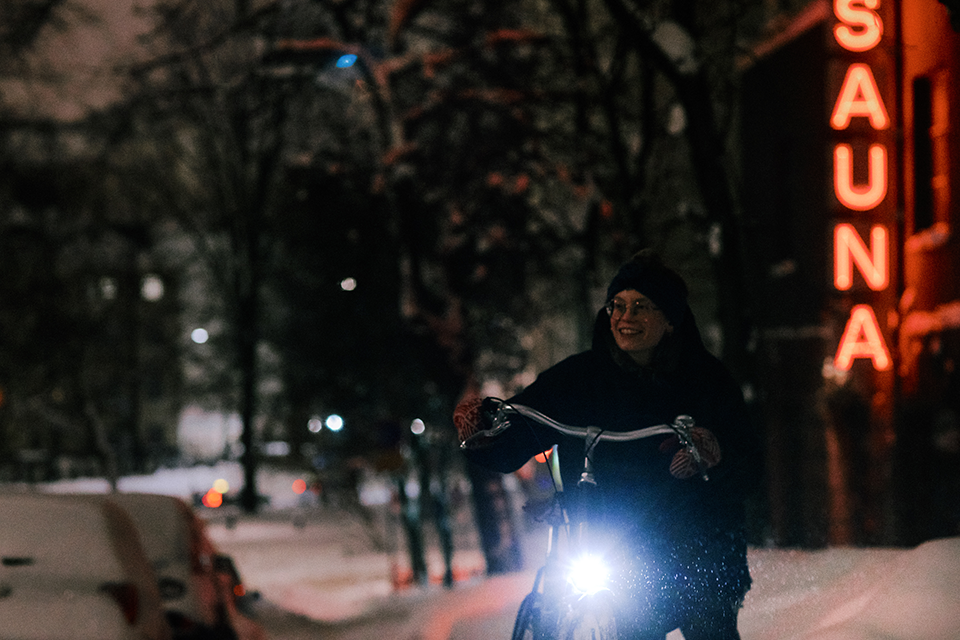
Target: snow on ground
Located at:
point(187, 482)
point(855, 594)
point(321, 562)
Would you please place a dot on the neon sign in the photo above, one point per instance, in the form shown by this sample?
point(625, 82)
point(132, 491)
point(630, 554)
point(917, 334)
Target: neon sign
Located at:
point(859, 198)
point(859, 97)
point(859, 30)
point(849, 249)
point(862, 339)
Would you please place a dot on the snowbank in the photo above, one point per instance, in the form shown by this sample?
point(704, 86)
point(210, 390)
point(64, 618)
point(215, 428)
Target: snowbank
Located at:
point(855, 594)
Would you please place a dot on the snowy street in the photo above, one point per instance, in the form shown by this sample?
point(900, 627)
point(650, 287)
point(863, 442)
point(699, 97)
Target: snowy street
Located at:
point(343, 593)
point(326, 573)
point(323, 579)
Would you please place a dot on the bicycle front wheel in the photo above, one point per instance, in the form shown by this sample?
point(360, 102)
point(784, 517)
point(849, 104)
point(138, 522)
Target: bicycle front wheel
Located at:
point(591, 618)
point(526, 626)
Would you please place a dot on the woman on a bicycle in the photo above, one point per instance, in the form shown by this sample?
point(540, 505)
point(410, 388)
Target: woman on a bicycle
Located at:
point(680, 541)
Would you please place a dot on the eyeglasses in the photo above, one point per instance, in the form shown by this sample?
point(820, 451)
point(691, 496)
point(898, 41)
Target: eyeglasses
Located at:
point(618, 308)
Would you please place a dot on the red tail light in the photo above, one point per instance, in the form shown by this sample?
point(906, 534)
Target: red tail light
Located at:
point(127, 598)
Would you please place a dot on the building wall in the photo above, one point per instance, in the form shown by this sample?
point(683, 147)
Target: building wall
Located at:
point(931, 106)
point(928, 460)
point(867, 453)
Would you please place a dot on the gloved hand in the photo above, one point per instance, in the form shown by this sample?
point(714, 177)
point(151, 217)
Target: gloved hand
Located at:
point(476, 414)
point(683, 465)
point(467, 417)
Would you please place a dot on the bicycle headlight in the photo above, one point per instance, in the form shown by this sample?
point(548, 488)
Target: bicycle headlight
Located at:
point(589, 574)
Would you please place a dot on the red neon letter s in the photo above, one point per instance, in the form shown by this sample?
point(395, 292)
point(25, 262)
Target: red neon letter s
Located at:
point(862, 339)
point(867, 26)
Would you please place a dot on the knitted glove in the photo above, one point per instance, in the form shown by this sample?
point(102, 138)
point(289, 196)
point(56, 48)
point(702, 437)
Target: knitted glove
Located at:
point(683, 465)
point(467, 417)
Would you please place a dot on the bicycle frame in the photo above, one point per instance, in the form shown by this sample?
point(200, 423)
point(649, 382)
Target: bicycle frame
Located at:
point(553, 608)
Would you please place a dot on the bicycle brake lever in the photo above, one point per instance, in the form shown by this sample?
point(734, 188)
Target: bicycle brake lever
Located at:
point(498, 422)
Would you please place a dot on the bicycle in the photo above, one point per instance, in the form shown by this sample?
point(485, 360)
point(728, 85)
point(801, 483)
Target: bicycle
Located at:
point(570, 598)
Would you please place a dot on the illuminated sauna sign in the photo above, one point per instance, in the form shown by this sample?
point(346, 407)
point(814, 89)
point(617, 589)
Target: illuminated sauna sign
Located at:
point(861, 243)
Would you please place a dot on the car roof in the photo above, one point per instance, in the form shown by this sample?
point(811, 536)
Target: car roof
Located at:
point(60, 539)
point(46, 531)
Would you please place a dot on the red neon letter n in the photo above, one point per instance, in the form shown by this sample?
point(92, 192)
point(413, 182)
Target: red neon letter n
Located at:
point(849, 249)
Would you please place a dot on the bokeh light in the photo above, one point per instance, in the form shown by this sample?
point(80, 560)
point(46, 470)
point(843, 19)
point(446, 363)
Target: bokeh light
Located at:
point(299, 486)
point(212, 499)
point(334, 422)
point(199, 335)
point(346, 60)
point(151, 288)
point(221, 485)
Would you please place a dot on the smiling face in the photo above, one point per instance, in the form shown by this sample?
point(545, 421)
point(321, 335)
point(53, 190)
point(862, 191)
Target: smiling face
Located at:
point(637, 324)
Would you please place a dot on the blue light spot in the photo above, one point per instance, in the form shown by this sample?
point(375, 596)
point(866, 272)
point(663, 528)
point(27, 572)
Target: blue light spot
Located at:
point(346, 60)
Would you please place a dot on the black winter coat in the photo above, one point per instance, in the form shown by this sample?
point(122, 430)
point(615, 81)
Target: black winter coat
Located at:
point(601, 387)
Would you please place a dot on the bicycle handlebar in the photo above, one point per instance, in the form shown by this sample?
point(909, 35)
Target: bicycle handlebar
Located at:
point(682, 427)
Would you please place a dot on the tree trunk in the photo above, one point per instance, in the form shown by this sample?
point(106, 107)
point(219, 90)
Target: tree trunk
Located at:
point(709, 164)
point(248, 326)
point(499, 535)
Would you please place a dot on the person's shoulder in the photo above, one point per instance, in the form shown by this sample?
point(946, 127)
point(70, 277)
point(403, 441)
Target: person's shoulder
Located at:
point(579, 361)
point(566, 385)
point(709, 369)
point(571, 370)
point(713, 364)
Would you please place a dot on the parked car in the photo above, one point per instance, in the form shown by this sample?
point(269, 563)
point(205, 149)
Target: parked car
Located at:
point(72, 568)
point(239, 600)
point(184, 559)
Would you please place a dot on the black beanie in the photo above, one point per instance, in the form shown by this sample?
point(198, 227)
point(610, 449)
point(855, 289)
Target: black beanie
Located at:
point(646, 274)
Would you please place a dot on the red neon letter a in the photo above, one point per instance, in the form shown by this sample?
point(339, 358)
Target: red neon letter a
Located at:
point(859, 96)
point(862, 339)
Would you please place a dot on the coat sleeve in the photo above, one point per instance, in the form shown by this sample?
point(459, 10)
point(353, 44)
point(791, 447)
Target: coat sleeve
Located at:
point(525, 438)
point(508, 451)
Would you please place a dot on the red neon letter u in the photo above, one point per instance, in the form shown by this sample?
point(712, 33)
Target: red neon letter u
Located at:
point(859, 198)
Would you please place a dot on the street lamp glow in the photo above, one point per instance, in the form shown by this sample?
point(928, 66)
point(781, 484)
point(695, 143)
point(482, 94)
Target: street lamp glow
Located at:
point(199, 335)
point(334, 422)
point(151, 288)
